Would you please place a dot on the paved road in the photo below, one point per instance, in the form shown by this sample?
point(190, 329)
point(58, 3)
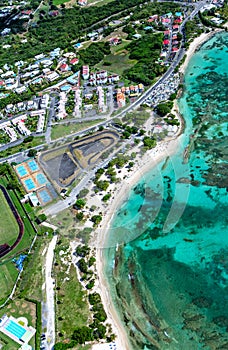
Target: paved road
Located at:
point(61, 205)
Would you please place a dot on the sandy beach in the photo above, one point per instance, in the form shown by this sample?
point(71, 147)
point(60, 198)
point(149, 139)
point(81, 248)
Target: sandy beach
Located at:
point(142, 165)
point(195, 44)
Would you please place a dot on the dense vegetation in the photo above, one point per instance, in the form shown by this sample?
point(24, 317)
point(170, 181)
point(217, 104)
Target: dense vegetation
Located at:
point(146, 51)
point(95, 53)
point(60, 31)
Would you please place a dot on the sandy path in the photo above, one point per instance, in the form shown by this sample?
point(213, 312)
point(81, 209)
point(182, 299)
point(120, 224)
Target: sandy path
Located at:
point(50, 295)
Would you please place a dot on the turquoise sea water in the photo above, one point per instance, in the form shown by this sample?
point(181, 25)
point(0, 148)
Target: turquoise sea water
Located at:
point(169, 280)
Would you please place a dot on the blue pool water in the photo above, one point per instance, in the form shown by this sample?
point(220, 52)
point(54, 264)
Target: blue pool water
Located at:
point(41, 179)
point(15, 329)
point(44, 195)
point(33, 165)
point(21, 170)
point(29, 184)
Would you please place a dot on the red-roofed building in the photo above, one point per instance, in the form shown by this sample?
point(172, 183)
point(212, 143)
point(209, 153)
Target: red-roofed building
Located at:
point(82, 2)
point(174, 37)
point(74, 61)
point(115, 41)
point(165, 20)
point(178, 21)
point(166, 42)
point(175, 27)
point(166, 32)
point(26, 12)
point(175, 49)
point(64, 67)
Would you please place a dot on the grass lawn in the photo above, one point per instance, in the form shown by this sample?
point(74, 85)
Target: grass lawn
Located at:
point(32, 279)
point(9, 344)
point(62, 130)
point(59, 2)
point(23, 146)
point(9, 228)
point(73, 309)
point(8, 276)
point(119, 63)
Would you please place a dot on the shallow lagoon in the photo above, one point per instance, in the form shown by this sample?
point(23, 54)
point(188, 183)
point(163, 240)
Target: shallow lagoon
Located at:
point(169, 280)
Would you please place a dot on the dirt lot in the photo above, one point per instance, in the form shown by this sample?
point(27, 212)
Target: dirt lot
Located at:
point(65, 163)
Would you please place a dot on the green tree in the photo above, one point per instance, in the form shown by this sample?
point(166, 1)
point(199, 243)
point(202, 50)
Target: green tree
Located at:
point(32, 152)
point(96, 219)
point(82, 334)
point(80, 203)
point(80, 216)
point(149, 142)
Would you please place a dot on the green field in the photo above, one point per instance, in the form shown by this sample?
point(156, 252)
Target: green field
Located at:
point(8, 276)
point(8, 228)
point(59, 2)
point(119, 63)
point(72, 310)
point(28, 229)
point(62, 130)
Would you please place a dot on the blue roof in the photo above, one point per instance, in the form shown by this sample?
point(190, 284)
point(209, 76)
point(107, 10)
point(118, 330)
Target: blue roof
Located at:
point(178, 14)
point(148, 28)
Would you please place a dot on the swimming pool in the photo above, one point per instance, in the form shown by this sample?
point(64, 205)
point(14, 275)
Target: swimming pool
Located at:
point(33, 165)
point(15, 329)
point(41, 179)
point(22, 171)
point(29, 184)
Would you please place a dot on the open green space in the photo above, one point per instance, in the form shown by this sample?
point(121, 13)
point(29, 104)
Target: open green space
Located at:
point(98, 2)
point(28, 228)
point(32, 280)
point(9, 228)
point(62, 130)
point(59, 2)
point(22, 147)
point(9, 344)
point(119, 63)
point(8, 276)
point(72, 310)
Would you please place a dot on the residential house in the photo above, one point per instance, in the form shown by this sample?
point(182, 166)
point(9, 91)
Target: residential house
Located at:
point(82, 2)
point(74, 61)
point(64, 68)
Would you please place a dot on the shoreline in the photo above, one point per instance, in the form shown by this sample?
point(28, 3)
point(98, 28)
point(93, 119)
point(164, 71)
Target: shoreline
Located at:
point(143, 165)
point(195, 45)
point(149, 160)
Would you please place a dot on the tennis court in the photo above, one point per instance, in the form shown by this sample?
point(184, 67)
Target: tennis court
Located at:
point(44, 196)
point(41, 179)
point(21, 170)
point(33, 166)
point(29, 184)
